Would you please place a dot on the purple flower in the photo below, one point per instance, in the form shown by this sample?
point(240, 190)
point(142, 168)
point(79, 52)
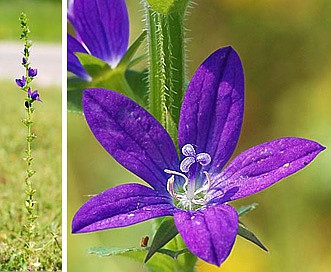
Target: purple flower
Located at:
point(102, 30)
point(32, 72)
point(21, 82)
point(194, 189)
point(34, 95)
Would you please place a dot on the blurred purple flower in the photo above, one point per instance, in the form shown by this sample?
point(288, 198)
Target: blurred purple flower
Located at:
point(32, 72)
point(34, 95)
point(21, 82)
point(102, 30)
point(196, 190)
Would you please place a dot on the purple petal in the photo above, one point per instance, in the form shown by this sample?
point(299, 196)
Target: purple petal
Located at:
point(260, 166)
point(131, 135)
point(103, 26)
point(74, 65)
point(209, 233)
point(121, 206)
point(20, 82)
point(70, 12)
point(32, 72)
point(34, 95)
point(212, 111)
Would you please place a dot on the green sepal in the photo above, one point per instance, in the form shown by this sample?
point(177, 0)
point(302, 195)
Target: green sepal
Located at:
point(119, 79)
point(164, 234)
point(94, 66)
point(117, 82)
point(244, 232)
point(138, 83)
point(127, 61)
point(246, 209)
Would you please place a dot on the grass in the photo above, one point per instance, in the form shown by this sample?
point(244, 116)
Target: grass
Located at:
point(44, 19)
point(47, 180)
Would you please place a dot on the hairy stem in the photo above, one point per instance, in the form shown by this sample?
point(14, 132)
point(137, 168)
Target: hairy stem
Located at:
point(166, 46)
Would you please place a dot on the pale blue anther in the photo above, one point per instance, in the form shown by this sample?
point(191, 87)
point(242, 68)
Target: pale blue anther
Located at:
point(191, 158)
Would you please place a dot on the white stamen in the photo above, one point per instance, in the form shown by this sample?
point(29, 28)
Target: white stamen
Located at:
point(185, 199)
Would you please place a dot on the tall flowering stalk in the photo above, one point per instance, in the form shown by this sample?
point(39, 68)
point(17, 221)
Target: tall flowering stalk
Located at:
point(31, 96)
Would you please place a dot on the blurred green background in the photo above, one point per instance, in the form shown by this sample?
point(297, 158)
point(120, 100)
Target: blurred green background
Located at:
point(45, 24)
point(284, 48)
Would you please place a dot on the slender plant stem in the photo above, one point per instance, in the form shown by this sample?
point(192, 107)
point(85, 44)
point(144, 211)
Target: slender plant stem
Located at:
point(30, 202)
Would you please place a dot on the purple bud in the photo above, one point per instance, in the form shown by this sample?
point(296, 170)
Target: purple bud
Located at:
point(21, 82)
point(24, 61)
point(32, 72)
point(34, 95)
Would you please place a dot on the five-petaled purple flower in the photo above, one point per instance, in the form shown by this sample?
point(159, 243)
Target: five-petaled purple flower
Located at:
point(102, 30)
point(194, 189)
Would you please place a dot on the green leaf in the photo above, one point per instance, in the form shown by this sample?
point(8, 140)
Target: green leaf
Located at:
point(94, 66)
point(138, 84)
point(246, 209)
point(160, 262)
point(244, 232)
point(112, 251)
point(166, 232)
point(125, 61)
point(74, 101)
point(173, 254)
point(74, 83)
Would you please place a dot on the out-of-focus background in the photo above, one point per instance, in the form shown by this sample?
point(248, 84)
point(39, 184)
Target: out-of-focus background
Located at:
point(46, 32)
point(284, 46)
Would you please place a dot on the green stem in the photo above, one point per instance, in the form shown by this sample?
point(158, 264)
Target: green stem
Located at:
point(167, 76)
point(30, 202)
point(166, 46)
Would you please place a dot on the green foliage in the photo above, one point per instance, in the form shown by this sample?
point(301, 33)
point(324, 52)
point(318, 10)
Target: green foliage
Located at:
point(244, 232)
point(246, 209)
point(164, 234)
point(160, 263)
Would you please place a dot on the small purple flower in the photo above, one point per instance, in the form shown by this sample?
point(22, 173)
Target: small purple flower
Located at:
point(193, 189)
point(102, 30)
point(21, 82)
point(34, 95)
point(32, 72)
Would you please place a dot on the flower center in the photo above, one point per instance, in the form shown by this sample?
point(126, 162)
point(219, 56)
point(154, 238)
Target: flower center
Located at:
point(189, 196)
